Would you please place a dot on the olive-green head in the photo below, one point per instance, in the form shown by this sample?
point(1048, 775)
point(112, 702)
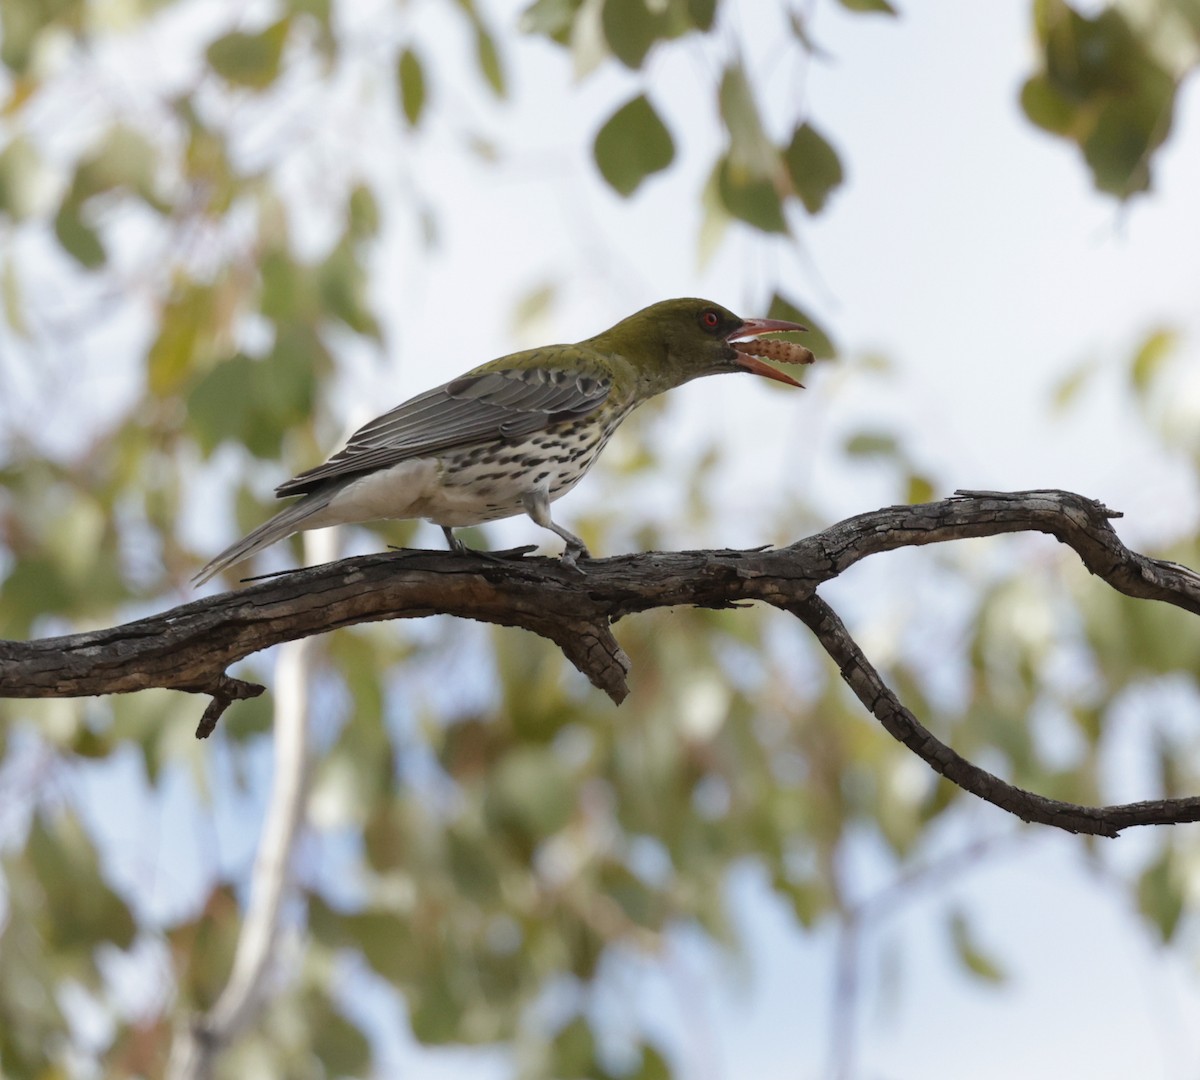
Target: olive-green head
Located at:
point(675, 341)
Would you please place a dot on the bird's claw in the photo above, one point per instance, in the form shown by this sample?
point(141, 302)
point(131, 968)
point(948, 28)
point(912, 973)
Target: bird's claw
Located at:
point(571, 555)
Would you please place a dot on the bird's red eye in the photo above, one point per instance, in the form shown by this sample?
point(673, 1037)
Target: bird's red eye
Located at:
point(710, 320)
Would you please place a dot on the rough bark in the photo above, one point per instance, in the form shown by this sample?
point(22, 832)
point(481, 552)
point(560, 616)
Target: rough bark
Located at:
point(190, 647)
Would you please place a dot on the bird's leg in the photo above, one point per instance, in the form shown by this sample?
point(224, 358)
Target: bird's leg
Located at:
point(455, 543)
point(537, 506)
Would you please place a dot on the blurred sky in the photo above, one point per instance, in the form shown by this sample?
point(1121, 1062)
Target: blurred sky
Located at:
point(970, 250)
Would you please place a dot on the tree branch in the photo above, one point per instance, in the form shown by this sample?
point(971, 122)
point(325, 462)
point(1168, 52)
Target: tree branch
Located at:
point(189, 647)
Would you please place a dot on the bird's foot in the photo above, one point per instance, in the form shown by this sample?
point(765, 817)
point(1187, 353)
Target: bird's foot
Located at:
point(571, 555)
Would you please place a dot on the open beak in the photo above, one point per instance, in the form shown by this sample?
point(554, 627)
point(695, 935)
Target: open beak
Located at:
point(786, 352)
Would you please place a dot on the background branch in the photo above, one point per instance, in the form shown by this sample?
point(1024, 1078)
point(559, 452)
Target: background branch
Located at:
point(197, 1044)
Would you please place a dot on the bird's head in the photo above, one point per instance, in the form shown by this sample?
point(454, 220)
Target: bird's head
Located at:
point(675, 341)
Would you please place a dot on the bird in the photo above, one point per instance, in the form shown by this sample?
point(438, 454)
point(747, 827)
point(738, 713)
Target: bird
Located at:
point(516, 433)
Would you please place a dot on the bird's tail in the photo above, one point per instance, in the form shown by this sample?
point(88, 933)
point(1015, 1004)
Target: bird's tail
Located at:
point(290, 520)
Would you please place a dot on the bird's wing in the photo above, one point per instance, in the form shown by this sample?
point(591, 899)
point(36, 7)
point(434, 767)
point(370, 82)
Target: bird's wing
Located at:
point(504, 404)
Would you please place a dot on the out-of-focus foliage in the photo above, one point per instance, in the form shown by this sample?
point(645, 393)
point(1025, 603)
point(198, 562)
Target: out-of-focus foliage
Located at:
point(1108, 82)
point(632, 145)
point(500, 829)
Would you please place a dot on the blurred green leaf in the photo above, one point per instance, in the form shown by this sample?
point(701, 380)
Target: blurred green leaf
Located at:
point(486, 54)
point(714, 222)
point(256, 403)
point(702, 13)
point(489, 60)
point(872, 444)
point(919, 489)
point(739, 109)
point(633, 144)
point(653, 1065)
point(640, 903)
point(1160, 895)
point(816, 338)
point(1051, 109)
point(78, 238)
point(249, 719)
point(970, 954)
point(126, 159)
point(809, 899)
point(1189, 11)
point(322, 12)
point(289, 289)
point(249, 60)
point(751, 198)
point(28, 976)
point(1148, 359)
point(1100, 86)
point(13, 297)
point(363, 213)
point(814, 167)
point(342, 284)
point(882, 7)
point(553, 18)
point(1132, 639)
point(35, 587)
point(574, 1052)
point(80, 910)
point(750, 176)
point(531, 790)
point(1120, 145)
point(1072, 385)
point(183, 325)
point(204, 948)
point(410, 77)
point(20, 168)
point(630, 28)
point(750, 149)
point(22, 22)
point(337, 1041)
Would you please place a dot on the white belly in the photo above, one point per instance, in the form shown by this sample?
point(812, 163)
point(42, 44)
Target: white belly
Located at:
point(414, 489)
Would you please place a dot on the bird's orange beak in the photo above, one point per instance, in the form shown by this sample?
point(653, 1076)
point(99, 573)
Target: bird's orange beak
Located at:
point(784, 351)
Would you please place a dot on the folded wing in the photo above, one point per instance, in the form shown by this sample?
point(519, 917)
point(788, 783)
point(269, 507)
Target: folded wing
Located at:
point(486, 406)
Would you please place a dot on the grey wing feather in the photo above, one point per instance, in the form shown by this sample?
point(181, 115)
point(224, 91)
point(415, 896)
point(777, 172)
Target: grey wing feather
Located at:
point(470, 409)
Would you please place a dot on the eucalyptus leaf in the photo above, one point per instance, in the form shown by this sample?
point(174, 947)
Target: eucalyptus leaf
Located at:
point(814, 167)
point(877, 7)
point(410, 78)
point(971, 954)
point(552, 18)
point(816, 338)
point(489, 63)
point(631, 29)
point(249, 60)
point(1160, 894)
point(1149, 358)
point(78, 238)
point(750, 197)
point(633, 144)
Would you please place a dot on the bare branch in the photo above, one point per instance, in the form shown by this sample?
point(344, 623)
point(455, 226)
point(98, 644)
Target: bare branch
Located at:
point(870, 689)
point(189, 647)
